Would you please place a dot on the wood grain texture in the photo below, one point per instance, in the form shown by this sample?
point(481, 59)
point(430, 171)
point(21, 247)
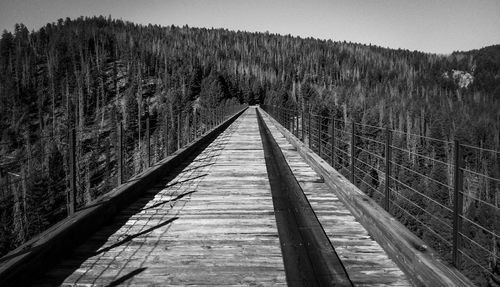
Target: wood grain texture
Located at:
point(212, 224)
point(365, 260)
point(26, 263)
point(420, 263)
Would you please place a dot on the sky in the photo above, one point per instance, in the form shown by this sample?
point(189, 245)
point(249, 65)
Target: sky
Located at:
point(433, 26)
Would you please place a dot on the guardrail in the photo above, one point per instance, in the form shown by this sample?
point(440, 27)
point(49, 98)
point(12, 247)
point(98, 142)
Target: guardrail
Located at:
point(447, 193)
point(61, 174)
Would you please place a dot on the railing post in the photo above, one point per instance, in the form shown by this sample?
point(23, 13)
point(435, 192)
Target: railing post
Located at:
point(71, 200)
point(292, 122)
point(206, 117)
point(297, 121)
point(148, 141)
point(210, 119)
point(303, 124)
point(319, 134)
point(285, 118)
point(457, 206)
point(6, 190)
point(179, 130)
point(120, 154)
point(388, 158)
point(201, 125)
point(166, 138)
point(288, 120)
point(282, 117)
point(215, 115)
point(195, 124)
point(332, 139)
point(353, 151)
point(279, 115)
point(282, 112)
point(219, 113)
point(189, 127)
point(309, 129)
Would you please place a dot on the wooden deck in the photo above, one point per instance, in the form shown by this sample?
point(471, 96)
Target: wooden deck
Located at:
point(364, 259)
point(213, 224)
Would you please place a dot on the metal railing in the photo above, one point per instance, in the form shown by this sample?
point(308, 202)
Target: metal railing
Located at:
point(447, 193)
point(60, 174)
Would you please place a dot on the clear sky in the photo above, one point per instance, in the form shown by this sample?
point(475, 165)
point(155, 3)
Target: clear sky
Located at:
point(437, 26)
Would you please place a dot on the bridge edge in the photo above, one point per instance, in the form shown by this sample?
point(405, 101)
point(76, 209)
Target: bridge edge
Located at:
point(31, 259)
point(422, 264)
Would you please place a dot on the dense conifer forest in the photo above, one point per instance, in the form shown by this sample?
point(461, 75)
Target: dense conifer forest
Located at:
point(91, 73)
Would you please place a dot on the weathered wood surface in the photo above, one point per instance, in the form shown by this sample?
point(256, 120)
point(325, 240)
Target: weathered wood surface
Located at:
point(27, 262)
point(364, 259)
point(213, 224)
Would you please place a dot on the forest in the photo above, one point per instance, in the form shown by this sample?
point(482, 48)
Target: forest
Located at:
point(89, 74)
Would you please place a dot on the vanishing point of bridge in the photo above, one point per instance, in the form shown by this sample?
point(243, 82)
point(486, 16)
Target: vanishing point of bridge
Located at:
point(250, 207)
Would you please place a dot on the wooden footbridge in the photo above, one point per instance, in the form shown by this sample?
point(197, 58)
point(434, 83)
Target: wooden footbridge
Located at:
point(246, 205)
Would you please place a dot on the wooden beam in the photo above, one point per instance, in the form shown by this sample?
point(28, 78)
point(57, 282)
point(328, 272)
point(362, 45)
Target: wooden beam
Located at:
point(422, 264)
point(25, 263)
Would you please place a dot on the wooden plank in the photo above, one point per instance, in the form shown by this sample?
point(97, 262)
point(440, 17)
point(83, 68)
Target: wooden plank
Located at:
point(364, 259)
point(309, 257)
point(419, 262)
point(213, 224)
point(22, 265)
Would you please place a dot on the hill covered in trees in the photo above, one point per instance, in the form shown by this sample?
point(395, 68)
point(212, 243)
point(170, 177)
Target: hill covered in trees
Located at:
point(73, 69)
point(90, 73)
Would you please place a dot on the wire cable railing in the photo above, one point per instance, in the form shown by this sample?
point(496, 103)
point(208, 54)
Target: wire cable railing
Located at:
point(54, 178)
point(449, 189)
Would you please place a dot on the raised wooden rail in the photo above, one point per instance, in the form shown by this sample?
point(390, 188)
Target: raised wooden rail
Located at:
point(22, 265)
point(415, 258)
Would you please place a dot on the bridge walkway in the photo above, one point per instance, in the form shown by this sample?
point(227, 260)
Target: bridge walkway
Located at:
point(212, 223)
point(365, 260)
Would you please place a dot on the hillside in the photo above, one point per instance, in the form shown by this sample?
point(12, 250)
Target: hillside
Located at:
point(93, 73)
point(97, 61)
